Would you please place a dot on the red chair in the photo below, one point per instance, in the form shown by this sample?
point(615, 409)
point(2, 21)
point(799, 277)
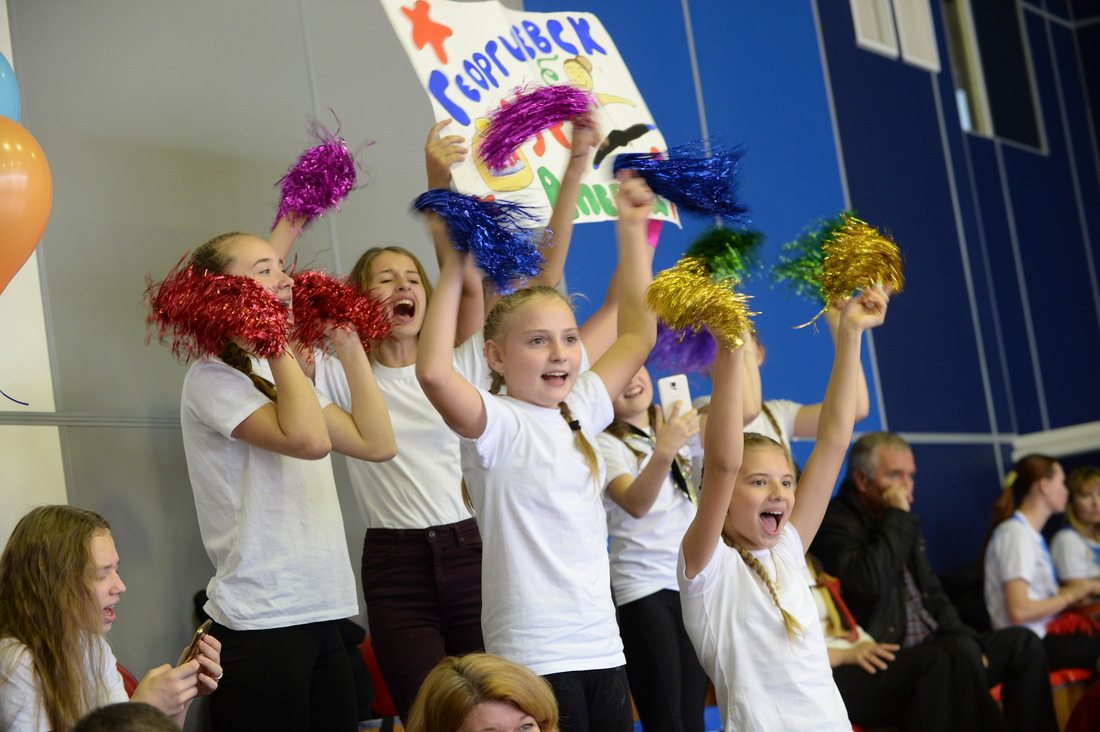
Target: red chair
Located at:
point(129, 681)
point(383, 703)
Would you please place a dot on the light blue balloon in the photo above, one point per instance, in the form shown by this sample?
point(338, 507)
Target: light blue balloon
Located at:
point(9, 91)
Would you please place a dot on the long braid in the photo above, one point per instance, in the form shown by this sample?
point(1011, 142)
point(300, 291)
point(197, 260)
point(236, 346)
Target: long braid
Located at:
point(581, 441)
point(238, 358)
point(794, 628)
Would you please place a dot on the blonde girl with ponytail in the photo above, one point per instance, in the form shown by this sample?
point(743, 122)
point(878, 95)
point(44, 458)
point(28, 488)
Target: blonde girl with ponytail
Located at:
point(747, 609)
point(534, 476)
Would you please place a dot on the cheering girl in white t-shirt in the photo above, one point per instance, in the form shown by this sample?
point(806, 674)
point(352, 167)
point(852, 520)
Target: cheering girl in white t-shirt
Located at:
point(533, 475)
point(747, 607)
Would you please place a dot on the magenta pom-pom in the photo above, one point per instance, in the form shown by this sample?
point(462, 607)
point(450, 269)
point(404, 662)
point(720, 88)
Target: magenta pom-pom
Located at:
point(321, 178)
point(195, 313)
point(320, 300)
point(684, 350)
point(529, 112)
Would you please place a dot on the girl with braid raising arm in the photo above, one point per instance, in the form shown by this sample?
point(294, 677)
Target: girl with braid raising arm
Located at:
point(747, 608)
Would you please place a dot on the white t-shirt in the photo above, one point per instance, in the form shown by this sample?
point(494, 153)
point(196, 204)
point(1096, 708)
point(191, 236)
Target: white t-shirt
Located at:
point(20, 705)
point(1075, 555)
point(1017, 551)
point(764, 681)
point(422, 485)
point(785, 411)
point(546, 588)
point(270, 523)
point(643, 550)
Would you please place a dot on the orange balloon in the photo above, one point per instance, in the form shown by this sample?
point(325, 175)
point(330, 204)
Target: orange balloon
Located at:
point(26, 191)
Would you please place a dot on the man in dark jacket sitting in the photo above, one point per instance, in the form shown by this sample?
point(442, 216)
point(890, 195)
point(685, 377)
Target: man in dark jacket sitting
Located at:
point(871, 541)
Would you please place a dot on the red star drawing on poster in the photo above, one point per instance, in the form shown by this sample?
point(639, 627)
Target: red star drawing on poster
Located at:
point(426, 31)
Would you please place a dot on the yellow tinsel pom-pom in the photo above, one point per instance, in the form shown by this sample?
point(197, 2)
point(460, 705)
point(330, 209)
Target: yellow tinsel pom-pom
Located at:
point(858, 257)
point(685, 296)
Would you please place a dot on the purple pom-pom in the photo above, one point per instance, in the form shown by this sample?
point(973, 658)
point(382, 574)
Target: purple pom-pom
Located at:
point(699, 177)
point(320, 179)
point(500, 235)
point(526, 115)
point(684, 351)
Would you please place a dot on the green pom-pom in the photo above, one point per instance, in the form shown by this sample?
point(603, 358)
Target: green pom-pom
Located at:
point(729, 251)
point(801, 260)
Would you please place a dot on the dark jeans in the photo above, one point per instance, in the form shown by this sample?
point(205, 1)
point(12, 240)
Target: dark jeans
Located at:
point(294, 679)
point(593, 701)
point(423, 594)
point(667, 682)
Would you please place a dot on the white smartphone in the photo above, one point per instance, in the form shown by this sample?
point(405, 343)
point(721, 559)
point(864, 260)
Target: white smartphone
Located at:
point(672, 389)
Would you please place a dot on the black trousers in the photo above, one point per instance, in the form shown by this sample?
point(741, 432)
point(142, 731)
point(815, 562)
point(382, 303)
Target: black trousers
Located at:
point(667, 682)
point(912, 693)
point(593, 701)
point(294, 679)
point(423, 593)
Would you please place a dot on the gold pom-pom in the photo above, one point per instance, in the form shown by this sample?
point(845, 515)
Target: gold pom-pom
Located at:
point(685, 296)
point(858, 257)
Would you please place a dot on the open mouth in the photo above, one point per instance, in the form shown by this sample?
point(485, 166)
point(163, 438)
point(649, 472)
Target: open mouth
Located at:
point(633, 390)
point(555, 378)
point(109, 614)
point(770, 520)
point(404, 309)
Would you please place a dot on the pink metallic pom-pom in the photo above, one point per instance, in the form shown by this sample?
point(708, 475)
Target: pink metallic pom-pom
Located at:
point(320, 179)
point(320, 300)
point(196, 313)
point(526, 115)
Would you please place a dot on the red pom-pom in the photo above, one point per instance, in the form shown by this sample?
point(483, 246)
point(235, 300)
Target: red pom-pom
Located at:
point(195, 314)
point(320, 300)
point(1074, 623)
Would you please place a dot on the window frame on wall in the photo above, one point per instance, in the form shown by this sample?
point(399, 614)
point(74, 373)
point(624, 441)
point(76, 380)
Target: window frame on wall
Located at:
point(897, 29)
point(987, 93)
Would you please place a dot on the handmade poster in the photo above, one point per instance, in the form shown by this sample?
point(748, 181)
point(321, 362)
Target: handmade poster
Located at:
point(472, 55)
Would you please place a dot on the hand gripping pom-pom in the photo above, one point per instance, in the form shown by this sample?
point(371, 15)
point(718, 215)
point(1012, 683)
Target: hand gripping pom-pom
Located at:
point(320, 301)
point(525, 115)
point(858, 257)
point(196, 313)
point(684, 350)
point(321, 178)
point(699, 177)
point(686, 297)
point(501, 235)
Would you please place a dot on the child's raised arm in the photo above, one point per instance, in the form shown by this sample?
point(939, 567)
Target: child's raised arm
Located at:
point(440, 155)
point(456, 399)
point(723, 447)
point(555, 247)
point(637, 325)
point(838, 412)
point(365, 432)
point(805, 421)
